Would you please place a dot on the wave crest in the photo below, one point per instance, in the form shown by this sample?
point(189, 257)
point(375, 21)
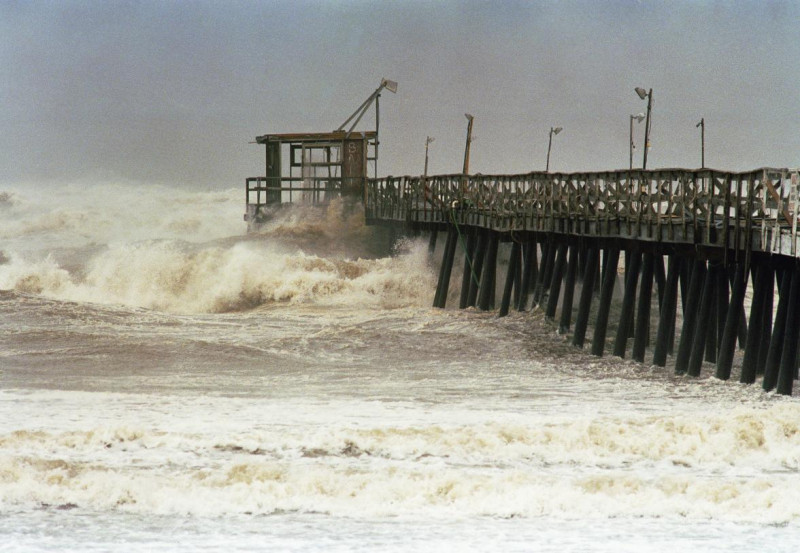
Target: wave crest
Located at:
point(179, 277)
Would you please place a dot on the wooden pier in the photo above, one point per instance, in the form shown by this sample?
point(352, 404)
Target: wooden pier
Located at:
point(708, 237)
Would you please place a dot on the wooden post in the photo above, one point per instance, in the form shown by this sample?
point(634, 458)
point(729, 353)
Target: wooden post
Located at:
point(754, 334)
point(660, 276)
point(766, 326)
point(477, 266)
point(517, 273)
point(546, 272)
point(643, 309)
point(776, 343)
point(722, 305)
point(701, 329)
point(666, 316)
point(789, 354)
point(469, 274)
point(628, 302)
point(606, 294)
point(440, 300)
point(528, 275)
point(489, 271)
point(690, 317)
point(587, 291)
point(569, 290)
point(728, 341)
point(711, 317)
point(513, 263)
point(555, 281)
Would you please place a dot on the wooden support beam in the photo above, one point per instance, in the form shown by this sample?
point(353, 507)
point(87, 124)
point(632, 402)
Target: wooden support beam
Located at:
point(513, 263)
point(640, 337)
point(690, 317)
point(587, 291)
point(606, 294)
point(555, 281)
point(735, 311)
point(569, 290)
point(632, 266)
point(440, 300)
point(789, 355)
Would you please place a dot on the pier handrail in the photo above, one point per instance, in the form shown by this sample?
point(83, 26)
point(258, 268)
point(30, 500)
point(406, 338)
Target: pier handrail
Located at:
point(701, 206)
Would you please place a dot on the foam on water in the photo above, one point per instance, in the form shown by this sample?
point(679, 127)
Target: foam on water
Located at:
point(332, 458)
point(304, 256)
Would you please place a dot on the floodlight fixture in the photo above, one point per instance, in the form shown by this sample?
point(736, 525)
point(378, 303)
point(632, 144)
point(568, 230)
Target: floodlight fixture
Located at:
point(391, 86)
point(553, 130)
point(649, 95)
point(428, 140)
point(639, 117)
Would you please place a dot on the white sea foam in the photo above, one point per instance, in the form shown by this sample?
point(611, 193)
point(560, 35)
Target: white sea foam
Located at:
point(166, 275)
point(740, 466)
point(197, 274)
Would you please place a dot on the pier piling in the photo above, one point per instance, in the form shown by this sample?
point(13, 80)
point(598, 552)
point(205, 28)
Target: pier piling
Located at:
point(511, 275)
point(569, 290)
point(666, 317)
point(696, 281)
point(587, 291)
point(632, 265)
point(642, 332)
point(555, 281)
point(440, 299)
point(486, 294)
point(606, 294)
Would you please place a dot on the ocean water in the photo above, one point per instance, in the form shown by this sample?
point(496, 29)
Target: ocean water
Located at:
point(171, 383)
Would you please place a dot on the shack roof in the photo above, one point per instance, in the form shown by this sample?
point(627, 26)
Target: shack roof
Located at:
point(335, 136)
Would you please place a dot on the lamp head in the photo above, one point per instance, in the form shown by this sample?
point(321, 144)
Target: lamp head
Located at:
point(699, 123)
point(639, 117)
point(556, 130)
point(641, 92)
point(391, 86)
point(468, 116)
point(429, 140)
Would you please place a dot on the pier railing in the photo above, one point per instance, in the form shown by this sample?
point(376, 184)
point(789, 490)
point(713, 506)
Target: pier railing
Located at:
point(267, 191)
point(753, 211)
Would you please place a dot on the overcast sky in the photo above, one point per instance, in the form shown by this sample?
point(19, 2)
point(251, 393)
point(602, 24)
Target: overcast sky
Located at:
point(173, 92)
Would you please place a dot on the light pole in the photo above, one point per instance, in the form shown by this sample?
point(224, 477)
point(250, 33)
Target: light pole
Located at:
point(553, 130)
point(465, 170)
point(427, 143)
point(702, 125)
point(391, 86)
point(649, 95)
point(638, 118)
point(470, 118)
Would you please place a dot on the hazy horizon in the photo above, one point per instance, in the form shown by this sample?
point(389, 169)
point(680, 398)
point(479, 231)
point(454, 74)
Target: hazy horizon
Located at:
point(174, 92)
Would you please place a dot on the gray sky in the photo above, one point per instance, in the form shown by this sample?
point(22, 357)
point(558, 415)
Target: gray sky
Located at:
point(172, 92)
